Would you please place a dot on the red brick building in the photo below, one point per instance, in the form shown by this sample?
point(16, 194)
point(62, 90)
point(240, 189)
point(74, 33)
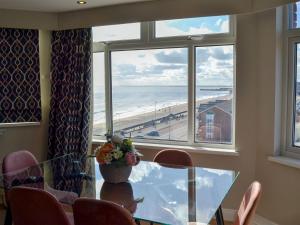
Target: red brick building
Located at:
point(215, 122)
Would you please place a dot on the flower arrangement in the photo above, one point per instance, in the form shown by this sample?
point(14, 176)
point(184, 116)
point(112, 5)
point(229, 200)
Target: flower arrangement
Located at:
point(119, 151)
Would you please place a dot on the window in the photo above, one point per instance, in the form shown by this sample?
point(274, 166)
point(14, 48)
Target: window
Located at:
point(293, 80)
point(127, 31)
point(165, 91)
point(99, 115)
point(149, 93)
point(294, 16)
point(296, 136)
point(214, 93)
point(192, 26)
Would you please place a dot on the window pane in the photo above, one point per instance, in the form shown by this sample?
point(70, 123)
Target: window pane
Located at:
point(150, 93)
point(297, 100)
point(214, 89)
point(118, 32)
point(295, 15)
point(99, 128)
point(192, 26)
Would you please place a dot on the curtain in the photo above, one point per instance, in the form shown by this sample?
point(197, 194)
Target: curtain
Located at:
point(20, 99)
point(69, 118)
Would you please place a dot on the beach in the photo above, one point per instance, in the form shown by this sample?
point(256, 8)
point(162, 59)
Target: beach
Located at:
point(168, 123)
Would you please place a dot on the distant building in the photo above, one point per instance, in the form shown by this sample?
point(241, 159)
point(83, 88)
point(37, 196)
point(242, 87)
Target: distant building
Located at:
point(214, 121)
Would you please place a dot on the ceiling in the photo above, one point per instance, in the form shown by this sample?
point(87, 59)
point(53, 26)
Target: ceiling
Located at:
point(58, 5)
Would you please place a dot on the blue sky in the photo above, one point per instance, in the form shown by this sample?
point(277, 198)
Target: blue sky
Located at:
point(214, 65)
point(209, 22)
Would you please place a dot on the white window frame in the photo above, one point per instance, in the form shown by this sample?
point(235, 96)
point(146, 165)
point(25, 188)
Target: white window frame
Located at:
point(291, 38)
point(148, 41)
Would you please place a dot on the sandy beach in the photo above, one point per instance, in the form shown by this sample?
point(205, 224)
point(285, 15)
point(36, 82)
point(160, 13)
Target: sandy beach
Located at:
point(168, 127)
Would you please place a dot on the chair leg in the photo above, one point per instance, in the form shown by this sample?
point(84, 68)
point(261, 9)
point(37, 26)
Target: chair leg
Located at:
point(8, 217)
point(219, 216)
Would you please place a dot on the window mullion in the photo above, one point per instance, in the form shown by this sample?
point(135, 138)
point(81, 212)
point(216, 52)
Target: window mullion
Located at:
point(144, 32)
point(191, 93)
point(151, 29)
point(108, 89)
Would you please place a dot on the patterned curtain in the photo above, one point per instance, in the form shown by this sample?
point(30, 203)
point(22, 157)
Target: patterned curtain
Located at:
point(70, 102)
point(20, 99)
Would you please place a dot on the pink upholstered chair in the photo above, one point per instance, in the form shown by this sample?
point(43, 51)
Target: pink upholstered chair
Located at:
point(173, 157)
point(17, 161)
point(99, 212)
point(13, 165)
point(248, 205)
point(32, 206)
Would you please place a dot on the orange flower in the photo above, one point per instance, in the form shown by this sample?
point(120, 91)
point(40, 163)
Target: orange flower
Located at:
point(107, 147)
point(104, 150)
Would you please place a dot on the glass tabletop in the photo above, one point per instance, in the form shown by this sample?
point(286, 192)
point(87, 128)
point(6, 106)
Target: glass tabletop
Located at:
point(163, 194)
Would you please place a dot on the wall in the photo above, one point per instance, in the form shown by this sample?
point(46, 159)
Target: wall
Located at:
point(281, 184)
point(33, 138)
point(256, 122)
point(28, 19)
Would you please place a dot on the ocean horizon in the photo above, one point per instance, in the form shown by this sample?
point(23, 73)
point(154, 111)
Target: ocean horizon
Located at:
point(134, 100)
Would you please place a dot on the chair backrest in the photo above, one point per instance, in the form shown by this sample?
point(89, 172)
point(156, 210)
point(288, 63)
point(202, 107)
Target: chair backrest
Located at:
point(248, 205)
point(14, 163)
point(99, 212)
point(18, 160)
point(173, 157)
point(35, 207)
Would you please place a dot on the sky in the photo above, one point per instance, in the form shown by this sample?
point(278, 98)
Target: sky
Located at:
point(214, 65)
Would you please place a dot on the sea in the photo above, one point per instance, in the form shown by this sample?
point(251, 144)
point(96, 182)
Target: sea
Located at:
point(135, 100)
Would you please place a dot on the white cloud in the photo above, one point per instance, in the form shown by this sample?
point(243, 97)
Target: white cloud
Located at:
point(204, 182)
point(225, 26)
point(116, 32)
point(219, 172)
point(141, 171)
point(181, 185)
point(163, 29)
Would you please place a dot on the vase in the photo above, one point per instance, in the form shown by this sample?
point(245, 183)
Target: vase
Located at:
point(115, 173)
point(121, 193)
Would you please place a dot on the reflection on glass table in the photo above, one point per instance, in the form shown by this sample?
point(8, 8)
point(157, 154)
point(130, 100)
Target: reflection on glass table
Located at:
point(156, 193)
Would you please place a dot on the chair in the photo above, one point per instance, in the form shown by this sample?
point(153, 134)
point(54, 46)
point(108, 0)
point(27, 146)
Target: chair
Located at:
point(173, 157)
point(12, 169)
point(15, 162)
point(99, 212)
point(248, 205)
point(36, 207)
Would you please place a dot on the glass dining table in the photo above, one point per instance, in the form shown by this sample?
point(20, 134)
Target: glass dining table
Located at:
point(156, 193)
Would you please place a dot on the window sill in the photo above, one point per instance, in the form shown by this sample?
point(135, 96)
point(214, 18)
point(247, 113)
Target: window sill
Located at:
point(192, 149)
point(21, 124)
point(286, 161)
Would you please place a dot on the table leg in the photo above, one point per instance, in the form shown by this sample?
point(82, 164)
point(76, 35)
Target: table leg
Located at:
point(8, 218)
point(219, 216)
